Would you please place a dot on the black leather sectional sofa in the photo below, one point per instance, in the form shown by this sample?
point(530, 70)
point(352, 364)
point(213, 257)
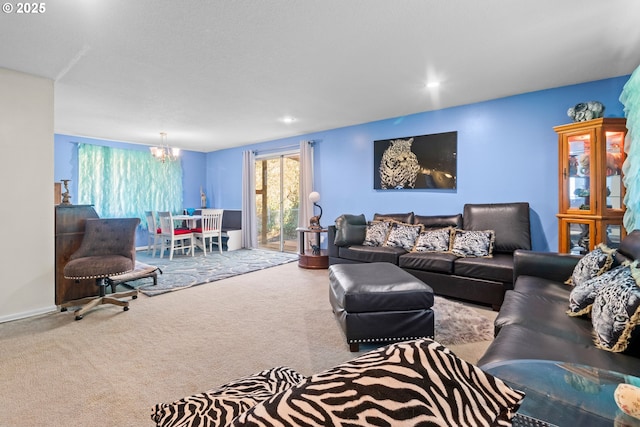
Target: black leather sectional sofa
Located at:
point(481, 280)
point(533, 323)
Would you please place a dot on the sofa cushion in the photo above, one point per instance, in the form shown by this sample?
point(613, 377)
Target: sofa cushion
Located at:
point(498, 268)
point(582, 296)
point(592, 264)
point(469, 243)
point(546, 314)
point(403, 235)
point(437, 262)
point(510, 221)
point(376, 233)
point(218, 407)
point(362, 253)
point(541, 286)
point(408, 383)
point(350, 230)
point(407, 218)
point(434, 240)
point(525, 342)
point(629, 249)
point(616, 310)
point(439, 221)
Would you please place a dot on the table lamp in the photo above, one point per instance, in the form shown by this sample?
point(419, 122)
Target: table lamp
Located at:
point(314, 222)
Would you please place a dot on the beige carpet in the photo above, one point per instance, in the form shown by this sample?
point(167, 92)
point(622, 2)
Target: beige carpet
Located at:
point(110, 368)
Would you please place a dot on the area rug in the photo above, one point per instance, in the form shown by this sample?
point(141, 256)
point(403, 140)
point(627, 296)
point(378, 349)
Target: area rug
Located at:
point(186, 271)
point(455, 323)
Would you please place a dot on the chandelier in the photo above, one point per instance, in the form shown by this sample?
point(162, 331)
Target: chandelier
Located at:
point(164, 153)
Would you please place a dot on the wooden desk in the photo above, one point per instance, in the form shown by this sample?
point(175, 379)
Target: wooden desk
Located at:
point(314, 258)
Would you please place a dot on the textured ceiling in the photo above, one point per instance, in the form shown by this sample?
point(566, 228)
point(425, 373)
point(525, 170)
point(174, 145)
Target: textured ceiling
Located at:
point(215, 74)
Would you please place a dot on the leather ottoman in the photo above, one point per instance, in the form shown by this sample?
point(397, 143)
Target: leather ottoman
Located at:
point(380, 302)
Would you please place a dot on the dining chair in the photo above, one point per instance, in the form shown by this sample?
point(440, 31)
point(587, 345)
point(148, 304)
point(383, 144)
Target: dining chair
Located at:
point(211, 226)
point(172, 238)
point(154, 235)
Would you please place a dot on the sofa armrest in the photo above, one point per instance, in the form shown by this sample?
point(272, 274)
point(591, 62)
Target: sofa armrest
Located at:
point(547, 265)
point(332, 249)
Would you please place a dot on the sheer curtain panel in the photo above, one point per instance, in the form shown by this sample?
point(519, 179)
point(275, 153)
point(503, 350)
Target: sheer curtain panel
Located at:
point(630, 98)
point(125, 183)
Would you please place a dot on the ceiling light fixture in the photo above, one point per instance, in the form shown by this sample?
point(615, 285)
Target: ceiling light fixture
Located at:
point(165, 153)
point(432, 85)
point(288, 119)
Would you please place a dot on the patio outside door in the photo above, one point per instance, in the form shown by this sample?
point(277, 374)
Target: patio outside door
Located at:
point(277, 201)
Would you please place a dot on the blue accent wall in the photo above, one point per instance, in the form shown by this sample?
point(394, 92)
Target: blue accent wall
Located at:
point(507, 152)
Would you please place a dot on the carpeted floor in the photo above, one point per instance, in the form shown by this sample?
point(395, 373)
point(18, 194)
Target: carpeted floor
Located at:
point(185, 271)
point(454, 322)
point(110, 368)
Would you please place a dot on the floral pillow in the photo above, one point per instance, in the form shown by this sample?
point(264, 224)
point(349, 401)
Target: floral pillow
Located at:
point(438, 240)
point(468, 243)
point(403, 235)
point(616, 311)
point(592, 264)
point(377, 232)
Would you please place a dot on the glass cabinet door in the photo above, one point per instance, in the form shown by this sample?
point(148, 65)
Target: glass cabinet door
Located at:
point(578, 236)
point(579, 169)
point(614, 157)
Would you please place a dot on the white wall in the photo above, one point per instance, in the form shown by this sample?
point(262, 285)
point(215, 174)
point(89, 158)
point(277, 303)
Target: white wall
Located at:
point(26, 179)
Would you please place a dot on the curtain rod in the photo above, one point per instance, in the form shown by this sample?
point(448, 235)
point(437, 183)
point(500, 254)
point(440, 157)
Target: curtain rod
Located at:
point(283, 148)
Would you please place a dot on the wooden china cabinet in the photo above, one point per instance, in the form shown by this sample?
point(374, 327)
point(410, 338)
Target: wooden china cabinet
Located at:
point(591, 192)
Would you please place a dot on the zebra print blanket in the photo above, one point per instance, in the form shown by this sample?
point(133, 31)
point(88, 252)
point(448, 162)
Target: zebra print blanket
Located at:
point(412, 383)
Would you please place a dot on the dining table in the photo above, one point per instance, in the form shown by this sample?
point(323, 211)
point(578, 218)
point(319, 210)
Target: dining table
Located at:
point(192, 220)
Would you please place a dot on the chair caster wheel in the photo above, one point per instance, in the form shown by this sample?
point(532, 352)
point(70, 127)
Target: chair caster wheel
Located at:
point(63, 309)
point(125, 308)
point(78, 317)
point(134, 297)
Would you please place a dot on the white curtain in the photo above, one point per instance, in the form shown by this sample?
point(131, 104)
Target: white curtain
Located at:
point(630, 98)
point(306, 183)
point(249, 222)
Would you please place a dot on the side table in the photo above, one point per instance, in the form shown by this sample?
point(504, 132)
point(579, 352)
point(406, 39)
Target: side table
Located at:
point(315, 257)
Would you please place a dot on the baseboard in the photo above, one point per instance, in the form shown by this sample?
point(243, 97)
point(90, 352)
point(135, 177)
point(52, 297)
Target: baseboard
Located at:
point(25, 314)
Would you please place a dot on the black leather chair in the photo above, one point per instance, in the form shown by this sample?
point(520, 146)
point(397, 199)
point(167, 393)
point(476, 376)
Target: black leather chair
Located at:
point(107, 249)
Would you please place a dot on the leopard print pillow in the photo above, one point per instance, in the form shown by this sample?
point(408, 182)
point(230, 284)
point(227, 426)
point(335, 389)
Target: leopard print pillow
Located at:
point(582, 295)
point(591, 265)
point(403, 235)
point(438, 240)
point(377, 232)
point(467, 243)
point(616, 311)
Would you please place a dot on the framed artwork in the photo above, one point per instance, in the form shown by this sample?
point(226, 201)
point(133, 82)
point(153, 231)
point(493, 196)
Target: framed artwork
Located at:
point(416, 162)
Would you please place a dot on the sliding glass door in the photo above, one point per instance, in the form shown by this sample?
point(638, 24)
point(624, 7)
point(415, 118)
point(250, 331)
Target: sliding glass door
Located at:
point(277, 201)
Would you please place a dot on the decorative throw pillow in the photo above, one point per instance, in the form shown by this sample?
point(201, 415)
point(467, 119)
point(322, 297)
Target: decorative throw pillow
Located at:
point(403, 235)
point(592, 264)
point(616, 311)
point(350, 230)
point(407, 383)
point(582, 295)
point(468, 243)
point(437, 240)
point(220, 406)
point(377, 232)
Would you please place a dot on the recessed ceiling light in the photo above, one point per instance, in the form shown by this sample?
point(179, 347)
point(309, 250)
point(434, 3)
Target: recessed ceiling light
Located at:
point(433, 84)
point(288, 119)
